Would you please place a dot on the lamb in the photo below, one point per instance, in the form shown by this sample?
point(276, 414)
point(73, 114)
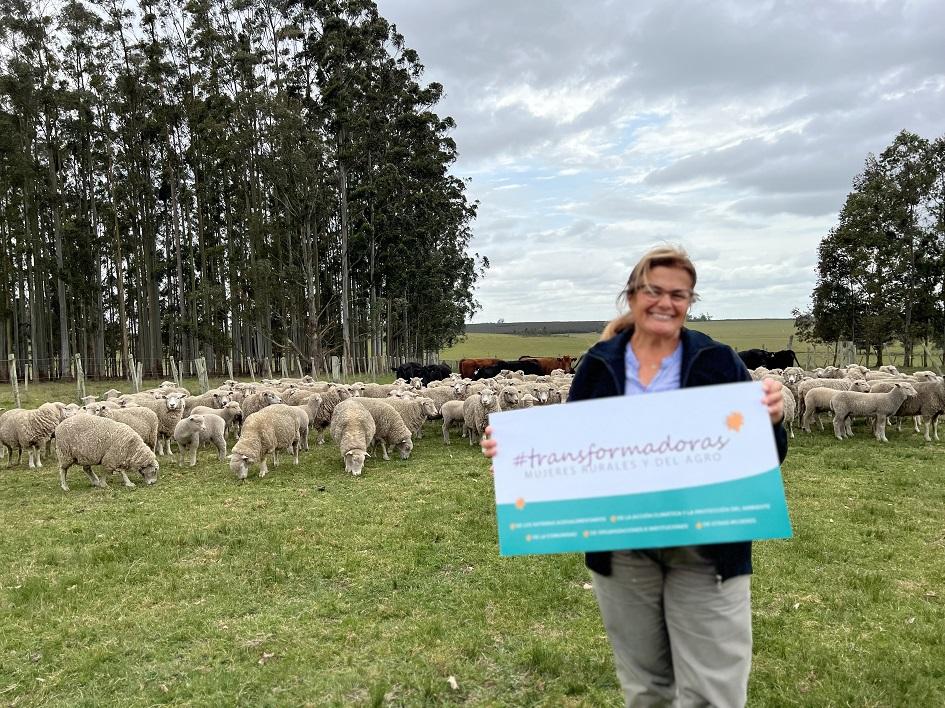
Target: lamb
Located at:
point(231, 413)
point(142, 420)
point(389, 426)
point(452, 412)
point(169, 409)
point(30, 429)
point(476, 410)
point(818, 399)
point(258, 401)
point(881, 405)
point(265, 432)
point(196, 429)
point(414, 412)
point(352, 429)
point(88, 440)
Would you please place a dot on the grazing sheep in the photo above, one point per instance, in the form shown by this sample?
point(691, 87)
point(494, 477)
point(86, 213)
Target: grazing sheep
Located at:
point(390, 428)
point(258, 401)
point(265, 432)
point(30, 429)
point(353, 430)
point(414, 412)
point(452, 412)
point(476, 410)
point(804, 386)
point(88, 440)
point(231, 413)
point(880, 405)
point(142, 420)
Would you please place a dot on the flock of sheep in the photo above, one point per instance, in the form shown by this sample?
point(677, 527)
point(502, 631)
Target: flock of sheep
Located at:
point(856, 391)
point(127, 433)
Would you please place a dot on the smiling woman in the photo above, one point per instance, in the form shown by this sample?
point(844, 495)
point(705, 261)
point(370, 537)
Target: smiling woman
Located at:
point(678, 619)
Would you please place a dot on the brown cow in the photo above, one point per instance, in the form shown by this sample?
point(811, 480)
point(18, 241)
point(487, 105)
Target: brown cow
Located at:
point(467, 367)
point(550, 363)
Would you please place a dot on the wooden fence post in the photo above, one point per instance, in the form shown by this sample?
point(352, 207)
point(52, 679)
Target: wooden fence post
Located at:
point(27, 375)
point(229, 368)
point(267, 368)
point(174, 372)
point(282, 365)
point(79, 377)
point(252, 369)
point(16, 388)
point(335, 369)
point(298, 363)
point(132, 373)
point(202, 379)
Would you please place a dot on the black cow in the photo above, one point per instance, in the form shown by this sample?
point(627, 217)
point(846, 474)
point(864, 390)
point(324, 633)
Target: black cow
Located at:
point(782, 359)
point(753, 358)
point(428, 373)
point(523, 365)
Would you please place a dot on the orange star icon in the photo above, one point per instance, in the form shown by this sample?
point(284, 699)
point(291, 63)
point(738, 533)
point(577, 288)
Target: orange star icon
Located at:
point(735, 421)
point(519, 503)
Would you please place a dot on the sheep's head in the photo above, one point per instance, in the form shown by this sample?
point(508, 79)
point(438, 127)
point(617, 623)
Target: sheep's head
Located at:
point(354, 461)
point(487, 396)
point(239, 464)
point(97, 409)
point(428, 406)
point(197, 424)
point(174, 401)
point(510, 395)
point(860, 385)
point(416, 382)
point(269, 397)
point(908, 388)
point(70, 410)
point(220, 400)
point(405, 446)
point(150, 472)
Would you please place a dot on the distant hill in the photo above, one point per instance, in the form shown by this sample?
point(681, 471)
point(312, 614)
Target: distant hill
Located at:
point(536, 328)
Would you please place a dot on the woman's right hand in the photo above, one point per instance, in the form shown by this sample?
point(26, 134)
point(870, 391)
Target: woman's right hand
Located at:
point(489, 446)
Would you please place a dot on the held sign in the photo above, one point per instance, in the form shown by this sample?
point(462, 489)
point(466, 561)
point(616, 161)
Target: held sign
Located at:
point(680, 468)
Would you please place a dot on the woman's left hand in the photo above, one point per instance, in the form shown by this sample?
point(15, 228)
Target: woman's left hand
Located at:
point(773, 399)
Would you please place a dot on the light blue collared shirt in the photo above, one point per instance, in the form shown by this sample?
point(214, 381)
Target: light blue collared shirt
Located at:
point(666, 379)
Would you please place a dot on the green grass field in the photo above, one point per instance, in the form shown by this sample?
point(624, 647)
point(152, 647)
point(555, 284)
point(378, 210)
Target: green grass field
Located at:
point(740, 334)
point(310, 587)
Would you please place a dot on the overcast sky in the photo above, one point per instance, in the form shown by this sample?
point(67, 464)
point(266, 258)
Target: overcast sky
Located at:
point(594, 130)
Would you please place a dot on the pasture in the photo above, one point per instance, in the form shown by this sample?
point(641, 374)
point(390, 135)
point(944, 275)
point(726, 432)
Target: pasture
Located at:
point(739, 334)
point(310, 587)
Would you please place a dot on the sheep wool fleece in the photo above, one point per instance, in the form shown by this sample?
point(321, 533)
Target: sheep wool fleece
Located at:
point(678, 619)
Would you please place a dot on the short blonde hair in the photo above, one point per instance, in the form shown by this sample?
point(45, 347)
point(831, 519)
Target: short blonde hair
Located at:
point(666, 256)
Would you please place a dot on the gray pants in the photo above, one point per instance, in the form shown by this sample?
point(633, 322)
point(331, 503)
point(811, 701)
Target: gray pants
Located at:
point(680, 637)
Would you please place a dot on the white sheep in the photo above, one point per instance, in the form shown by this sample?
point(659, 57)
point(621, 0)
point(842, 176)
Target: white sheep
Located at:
point(187, 434)
point(88, 440)
point(414, 412)
point(142, 420)
point(452, 412)
point(213, 429)
point(169, 409)
point(928, 404)
point(353, 430)
point(390, 428)
point(476, 410)
point(320, 418)
point(30, 429)
point(258, 401)
point(266, 431)
point(818, 399)
point(231, 413)
point(879, 405)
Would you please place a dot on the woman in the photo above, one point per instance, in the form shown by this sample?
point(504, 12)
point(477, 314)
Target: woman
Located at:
point(678, 619)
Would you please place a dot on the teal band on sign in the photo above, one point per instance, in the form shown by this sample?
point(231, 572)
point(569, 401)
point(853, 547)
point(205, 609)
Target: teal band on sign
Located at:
point(746, 509)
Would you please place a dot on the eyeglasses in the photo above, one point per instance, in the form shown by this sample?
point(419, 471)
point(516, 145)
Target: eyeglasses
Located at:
point(654, 292)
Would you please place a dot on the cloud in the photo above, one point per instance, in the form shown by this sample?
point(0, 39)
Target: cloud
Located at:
point(595, 130)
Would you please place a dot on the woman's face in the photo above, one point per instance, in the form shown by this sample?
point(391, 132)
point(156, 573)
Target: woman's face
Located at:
point(659, 308)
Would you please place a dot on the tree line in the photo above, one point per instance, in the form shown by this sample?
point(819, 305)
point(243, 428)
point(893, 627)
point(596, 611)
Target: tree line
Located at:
point(881, 268)
point(210, 178)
